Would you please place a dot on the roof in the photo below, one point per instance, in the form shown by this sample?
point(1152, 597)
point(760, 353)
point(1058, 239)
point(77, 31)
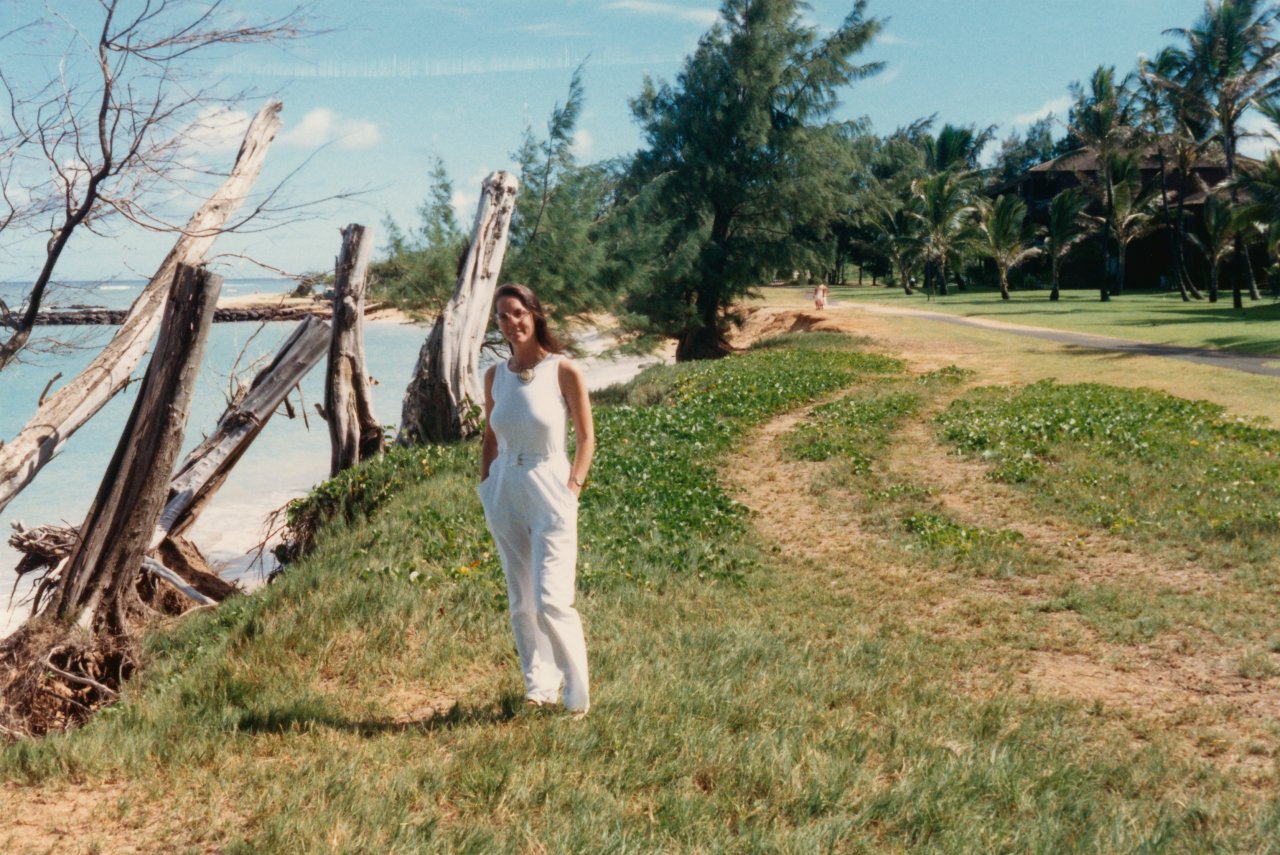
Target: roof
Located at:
point(1086, 160)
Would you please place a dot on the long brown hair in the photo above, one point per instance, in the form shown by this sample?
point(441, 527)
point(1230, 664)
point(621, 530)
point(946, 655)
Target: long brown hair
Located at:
point(530, 301)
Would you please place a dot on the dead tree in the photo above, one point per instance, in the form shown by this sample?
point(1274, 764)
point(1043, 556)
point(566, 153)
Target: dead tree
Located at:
point(195, 481)
point(208, 465)
point(109, 133)
point(354, 432)
point(51, 675)
point(100, 576)
point(444, 398)
point(64, 412)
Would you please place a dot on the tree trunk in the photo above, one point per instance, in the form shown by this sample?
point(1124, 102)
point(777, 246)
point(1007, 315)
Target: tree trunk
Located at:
point(1108, 233)
point(1053, 273)
point(1185, 282)
point(1004, 283)
point(208, 465)
point(444, 399)
point(1240, 268)
point(100, 574)
point(1122, 262)
point(354, 432)
point(64, 412)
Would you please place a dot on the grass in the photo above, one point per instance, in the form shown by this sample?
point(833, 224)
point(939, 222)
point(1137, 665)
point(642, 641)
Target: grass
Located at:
point(1172, 471)
point(1157, 317)
point(745, 699)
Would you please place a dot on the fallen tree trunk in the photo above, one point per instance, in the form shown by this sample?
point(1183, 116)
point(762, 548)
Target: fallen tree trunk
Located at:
point(100, 575)
point(63, 413)
point(198, 477)
point(207, 466)
point(445, 397)
point(354, 432)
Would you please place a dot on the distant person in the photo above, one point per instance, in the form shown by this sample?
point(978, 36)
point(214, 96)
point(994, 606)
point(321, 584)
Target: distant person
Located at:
point(820, 296)
point(529, 490)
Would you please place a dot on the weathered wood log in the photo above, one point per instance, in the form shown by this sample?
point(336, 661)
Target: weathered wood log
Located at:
point(207, 466)
point(76, 402)
point(354, 432)
point(42, 546)
point(99, 576)
point(176, 581)
point(445, 397)
point(184, 558)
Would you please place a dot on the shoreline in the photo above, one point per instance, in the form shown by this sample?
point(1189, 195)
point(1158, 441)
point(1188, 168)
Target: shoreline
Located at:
point(258, 307)
point(231, 528)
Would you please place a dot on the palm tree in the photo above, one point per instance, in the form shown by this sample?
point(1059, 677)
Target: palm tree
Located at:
point(1181, 136)
point(1004, 237)
point(1067, 227)
point(1133, 206)
point(956, 148)
point(945, 210)
point(899, 230)
point(1262, 188)
point(1221, 233)
point(1229, 63)
point(1102, 120)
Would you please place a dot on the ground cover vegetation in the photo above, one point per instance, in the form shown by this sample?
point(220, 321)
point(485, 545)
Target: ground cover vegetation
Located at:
point(751, 693)
point(1159, 318)
point(745, 176)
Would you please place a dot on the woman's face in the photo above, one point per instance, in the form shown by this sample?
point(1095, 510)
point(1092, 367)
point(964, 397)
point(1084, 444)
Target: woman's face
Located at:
point(515, 321)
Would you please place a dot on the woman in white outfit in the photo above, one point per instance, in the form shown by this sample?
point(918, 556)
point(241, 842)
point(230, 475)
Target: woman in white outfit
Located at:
point(529, 490)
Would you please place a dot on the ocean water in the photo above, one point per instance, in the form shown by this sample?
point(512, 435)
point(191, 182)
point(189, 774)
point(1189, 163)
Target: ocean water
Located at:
point(287, 459)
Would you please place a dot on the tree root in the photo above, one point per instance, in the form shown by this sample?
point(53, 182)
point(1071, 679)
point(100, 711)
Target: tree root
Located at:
point(54, 677)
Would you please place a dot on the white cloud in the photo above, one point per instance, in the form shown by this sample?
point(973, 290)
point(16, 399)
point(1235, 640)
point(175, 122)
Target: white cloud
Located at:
point(323, 126)
point(1262, 139)
point(583, 143)
point(891, 40)
point(890, 74)
point(705, 17)
point(217, 129)
point(466, 197)
point(1058, 106)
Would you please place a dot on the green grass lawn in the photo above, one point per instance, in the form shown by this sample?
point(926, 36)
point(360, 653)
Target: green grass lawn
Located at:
point(746, 697)
point(1161, 318)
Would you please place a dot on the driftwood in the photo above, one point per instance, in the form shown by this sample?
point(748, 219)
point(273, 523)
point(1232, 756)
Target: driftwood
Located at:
point(195, 481)
point(77, 401)
point(100, 575)
point(207, 466)
point(98, 316)
point(354, 432)
point(444, 398)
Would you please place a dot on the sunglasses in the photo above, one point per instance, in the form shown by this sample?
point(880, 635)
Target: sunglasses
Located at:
point(513, 317)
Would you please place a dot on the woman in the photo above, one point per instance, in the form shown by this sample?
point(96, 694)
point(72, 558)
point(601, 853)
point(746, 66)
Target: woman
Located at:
point(820, 296)
point(530, 492)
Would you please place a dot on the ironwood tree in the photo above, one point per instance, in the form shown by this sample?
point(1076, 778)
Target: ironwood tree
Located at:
point(735, 162)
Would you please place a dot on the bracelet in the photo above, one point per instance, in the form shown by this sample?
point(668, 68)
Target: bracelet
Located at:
point(573, 480)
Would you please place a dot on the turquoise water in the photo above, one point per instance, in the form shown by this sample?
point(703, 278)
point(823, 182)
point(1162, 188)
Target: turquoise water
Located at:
point(288, 457)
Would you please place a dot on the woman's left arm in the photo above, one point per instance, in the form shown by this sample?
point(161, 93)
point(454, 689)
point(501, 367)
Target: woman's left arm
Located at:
point(574, 389)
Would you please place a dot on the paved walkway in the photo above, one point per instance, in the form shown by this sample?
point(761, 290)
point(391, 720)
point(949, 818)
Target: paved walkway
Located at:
point(1268, 366)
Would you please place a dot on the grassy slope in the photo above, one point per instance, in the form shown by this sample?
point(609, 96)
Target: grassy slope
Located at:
point(1145, 316)
point(745, 699)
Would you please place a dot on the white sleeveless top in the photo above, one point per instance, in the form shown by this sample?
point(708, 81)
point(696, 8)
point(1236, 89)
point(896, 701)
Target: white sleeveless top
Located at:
point(530, 418)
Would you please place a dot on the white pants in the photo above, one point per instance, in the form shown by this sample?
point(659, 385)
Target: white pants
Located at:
point(533, 517)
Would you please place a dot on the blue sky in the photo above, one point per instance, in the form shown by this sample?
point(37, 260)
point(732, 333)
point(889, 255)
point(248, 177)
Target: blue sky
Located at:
point(369, 101)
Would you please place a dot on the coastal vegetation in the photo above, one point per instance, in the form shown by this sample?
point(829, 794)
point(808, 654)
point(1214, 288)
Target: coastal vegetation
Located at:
point(832, 650)
point(744, 176)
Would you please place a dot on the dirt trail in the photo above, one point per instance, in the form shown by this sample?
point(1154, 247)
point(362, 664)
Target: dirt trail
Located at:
point(1172, 680)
